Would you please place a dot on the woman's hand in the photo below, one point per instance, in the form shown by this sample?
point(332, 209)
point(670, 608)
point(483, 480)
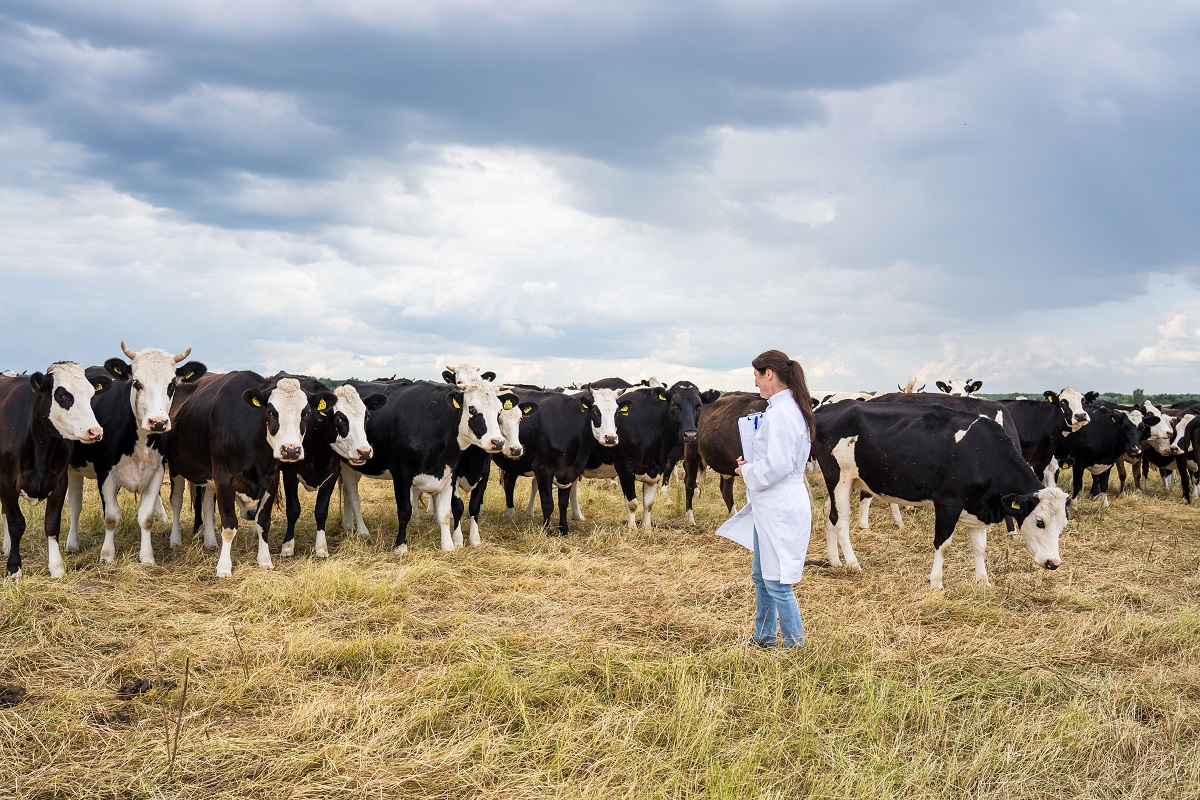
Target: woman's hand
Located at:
point(741, 463)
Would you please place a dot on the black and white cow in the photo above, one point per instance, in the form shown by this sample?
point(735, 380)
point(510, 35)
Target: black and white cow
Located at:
point(419, 437)
point(718, 445)
point(1042, 426)
point(134, 414)
point(558, 442)
point(1183, 447)
point(960, 463)
point(42, 418)
point(335, 437)
point(1097, 446)
point(1151, 426)
point(959, 387)
point(231, 436)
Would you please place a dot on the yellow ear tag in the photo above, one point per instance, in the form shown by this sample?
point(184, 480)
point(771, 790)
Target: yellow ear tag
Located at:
point(255, 401)
point(188, 377)
point(1016, 505)
point(584, 406)
point(456, 403)
point(507, 405)
point(99, 387)
point(321, 404)
point(118, 370)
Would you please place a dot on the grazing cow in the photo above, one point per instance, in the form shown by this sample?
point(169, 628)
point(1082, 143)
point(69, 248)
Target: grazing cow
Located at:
point(134, 414)
point(340, 435)
point(558, 441)
point(232, 435)
point(1042, 426)
point(718, 444)
point(419, 437)
point(1096, 447)
point(960, 463)
point(959, 387)
point(41, 419)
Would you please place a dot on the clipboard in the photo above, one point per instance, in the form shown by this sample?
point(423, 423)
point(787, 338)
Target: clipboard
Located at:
point(747, 429)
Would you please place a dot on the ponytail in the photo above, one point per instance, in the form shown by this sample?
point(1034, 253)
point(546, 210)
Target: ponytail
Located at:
point(792, 374)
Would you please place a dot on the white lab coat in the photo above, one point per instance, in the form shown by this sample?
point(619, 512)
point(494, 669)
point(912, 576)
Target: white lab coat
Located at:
point(777, 498)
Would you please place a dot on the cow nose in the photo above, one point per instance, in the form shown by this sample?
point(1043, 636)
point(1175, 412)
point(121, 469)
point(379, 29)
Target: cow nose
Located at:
point(1052, 563)
point(610, 439)
point(364, 453)
point(290, 452)
point(497, 444)
point(1081, 417)
point(516, 452)
point(93, 434)
point(1176, 450)
point(159, 424)
point(1135, 451)
point(690, 436)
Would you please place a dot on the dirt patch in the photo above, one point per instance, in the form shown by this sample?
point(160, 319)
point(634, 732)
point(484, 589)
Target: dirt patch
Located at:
point(11, 695)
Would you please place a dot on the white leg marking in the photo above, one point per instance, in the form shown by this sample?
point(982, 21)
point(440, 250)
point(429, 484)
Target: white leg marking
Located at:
point(264, 550)
point(75, 503)
point(864, 510)
point(57, 570)
point(287, 549)
point(979, 546)
point(691, 518)
point(112, 517)
point(207, 510)
point(321, 548)
point(897, 520)
point(225, 560)
point(649, 492)
point(935, 575)
point(148, 507)
point(533, 490)
point(444, 516)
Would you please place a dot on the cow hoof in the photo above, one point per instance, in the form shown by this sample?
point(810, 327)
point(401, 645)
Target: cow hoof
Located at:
point(401, 550)
point(224, 573)
point(107, 555)
point(691, 518)
point(72, 547)
point(288, 549)
point(853, 567)
point(14, 575)
point(457, 540)
point(57, 572)
point(147, 560)
point(321, 552)
point(936, 586)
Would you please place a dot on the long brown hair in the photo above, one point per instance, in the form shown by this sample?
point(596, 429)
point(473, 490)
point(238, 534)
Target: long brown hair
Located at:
point(792, 374)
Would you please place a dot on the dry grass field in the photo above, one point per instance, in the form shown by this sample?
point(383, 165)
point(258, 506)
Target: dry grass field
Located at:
point(606, 665)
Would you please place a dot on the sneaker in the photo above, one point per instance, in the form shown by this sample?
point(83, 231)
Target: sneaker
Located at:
point(750, 641)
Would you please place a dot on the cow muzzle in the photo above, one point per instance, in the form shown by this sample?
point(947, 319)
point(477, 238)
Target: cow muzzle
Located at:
point(159, 424)
point(1051, 563)
point(496, 445)
point(515, 452)
point(690, 436)
point(609, 440)
point(1176, 450)
point(93, 435)
point(291, 452)
point(361, 456)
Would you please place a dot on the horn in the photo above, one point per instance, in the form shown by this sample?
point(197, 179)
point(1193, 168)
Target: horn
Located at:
point(461, 385)
point(452, 369)
point(181, 356)
point(128, 353)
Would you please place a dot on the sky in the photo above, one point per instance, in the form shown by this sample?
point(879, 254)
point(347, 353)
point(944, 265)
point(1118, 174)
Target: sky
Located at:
point(563, 191)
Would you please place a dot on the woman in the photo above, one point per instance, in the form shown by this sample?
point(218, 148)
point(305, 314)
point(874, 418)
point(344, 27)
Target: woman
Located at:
point(778, 507)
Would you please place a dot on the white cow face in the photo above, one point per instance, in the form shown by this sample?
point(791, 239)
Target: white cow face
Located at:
point(511, 414)
point(1161, 432)
point(70, 393)
point(287, 410)
point(1179, 440)
point(601, 404)
point(959, 387)
point(1042, 517)
point(153, 376)
point(465, 373)
point(1070, 402)
point(479, 424)
point(350, 423)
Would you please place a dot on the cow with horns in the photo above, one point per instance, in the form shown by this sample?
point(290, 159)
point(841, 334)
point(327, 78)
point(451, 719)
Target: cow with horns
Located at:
point(134, 415)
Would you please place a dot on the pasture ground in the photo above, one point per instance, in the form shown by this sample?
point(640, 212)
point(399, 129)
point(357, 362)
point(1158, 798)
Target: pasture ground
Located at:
point(606, 665)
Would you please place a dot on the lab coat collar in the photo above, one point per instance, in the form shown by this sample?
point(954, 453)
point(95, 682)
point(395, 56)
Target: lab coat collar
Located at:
point(782, 394)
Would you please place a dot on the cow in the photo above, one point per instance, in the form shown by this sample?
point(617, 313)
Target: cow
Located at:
point(718, 444)
point(43, 417)
point(337, 437)
point(1042, 426)
point(836, 397)
point(558, 442)
point(1152, 427)
point(1097, 446)
point(418, 438)
point(1183, 447)
point(1158, 451)
point(621, 383)
point(232, 435)
point(959, 387)
point(960, 463)
point(134, 413)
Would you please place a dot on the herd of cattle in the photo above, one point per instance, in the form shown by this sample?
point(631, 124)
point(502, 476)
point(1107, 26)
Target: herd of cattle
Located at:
point(237, 437)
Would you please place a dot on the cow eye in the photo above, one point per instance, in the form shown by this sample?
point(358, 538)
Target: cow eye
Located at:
point(1041, 523)
point(171, 389)
point(137, 386)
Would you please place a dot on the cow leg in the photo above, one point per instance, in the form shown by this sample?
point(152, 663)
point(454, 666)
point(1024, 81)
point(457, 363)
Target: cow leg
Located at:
point(75, 505)
point(441, 509)
point(1121, 476)
point(224, 500)
point(476, 508)
point(402, 488)
point(543, 482)
point(53, 522)
point(943, 531)
point(691, 470)
point(1077, 480)
point(727, 493)
point(208, 505)
point(351, 500)
point(262, 521)
point(576, 510)
point(160, 511)
point(199, 493)
point(1185, 479)
point(148, 505)
point(842, 528)
point(112, 517)
point(177, 487)
point(6, 545)
point(864, 510)
point(1100, 487)
point(509, 481)
point(14, 527)
point(291, 510)
point(534, 489)
point(564, 500)
point(1050, 473)
point(321, 514)
point(978, 536)
point(629, 489)
point(649, 492)
point(456, 514)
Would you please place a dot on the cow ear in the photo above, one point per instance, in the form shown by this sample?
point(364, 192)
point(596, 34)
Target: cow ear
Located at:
point(660, 394)
point(375, 402)
point(101, 383)
point(455, 399)
point(975, 386)
point(814, 402)
point(448, 376)
point(508, 400)
point(191, 372)
point(1113, 418)
point(585, 402)
point(40, 382)
point(1051, 396)
point(117, 368)
point(323, 402)
point(1018, 505)
point(528, 408)
point(253, 397)
point(488, 376)
point(623, 409)
point(945, 387)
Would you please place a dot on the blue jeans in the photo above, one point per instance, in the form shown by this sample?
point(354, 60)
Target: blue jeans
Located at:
point(774, 605)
